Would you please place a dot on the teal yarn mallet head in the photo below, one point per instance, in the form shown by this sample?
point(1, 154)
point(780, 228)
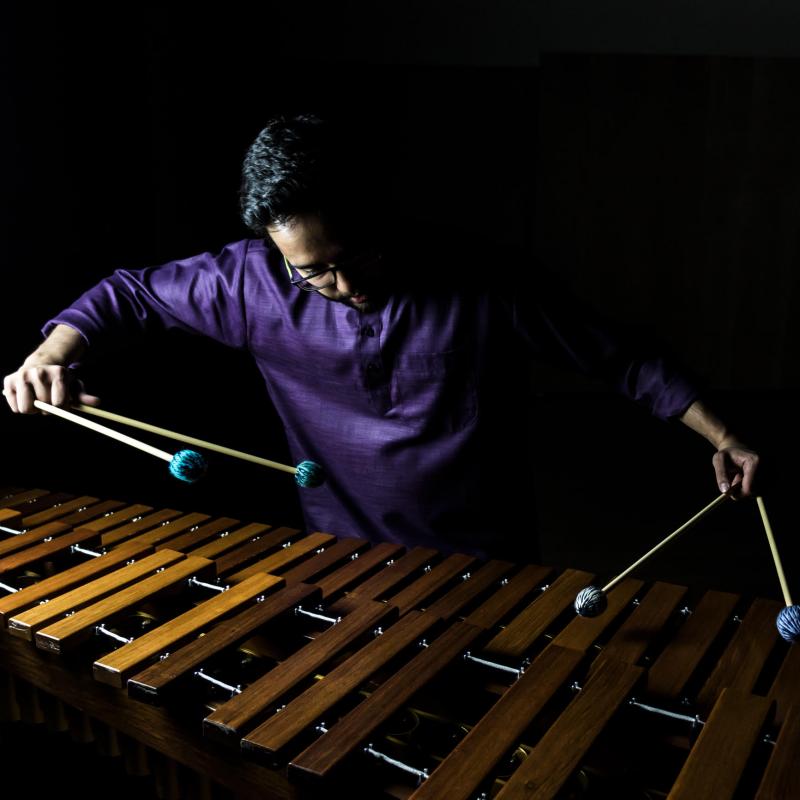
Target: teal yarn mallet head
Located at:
point(309, 475)
point(188, 466)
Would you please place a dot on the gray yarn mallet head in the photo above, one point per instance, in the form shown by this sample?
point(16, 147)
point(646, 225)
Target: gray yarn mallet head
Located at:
point(591, 601)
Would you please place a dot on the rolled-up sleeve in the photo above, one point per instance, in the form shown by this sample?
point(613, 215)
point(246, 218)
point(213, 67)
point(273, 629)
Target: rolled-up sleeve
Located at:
point(203, 294)
point(556, 326)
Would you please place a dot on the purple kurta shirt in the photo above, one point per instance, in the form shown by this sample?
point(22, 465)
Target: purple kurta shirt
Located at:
point(411, 408)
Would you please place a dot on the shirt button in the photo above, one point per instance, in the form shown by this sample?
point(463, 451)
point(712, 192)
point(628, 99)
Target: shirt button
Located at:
point(368, 331)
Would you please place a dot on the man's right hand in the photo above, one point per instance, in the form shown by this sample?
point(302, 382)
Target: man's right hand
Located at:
point(44, 375)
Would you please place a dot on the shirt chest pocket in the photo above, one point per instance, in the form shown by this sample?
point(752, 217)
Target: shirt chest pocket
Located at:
point(435, 392)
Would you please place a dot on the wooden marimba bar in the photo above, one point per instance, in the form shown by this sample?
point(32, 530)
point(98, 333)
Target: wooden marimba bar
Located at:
point(282, 665)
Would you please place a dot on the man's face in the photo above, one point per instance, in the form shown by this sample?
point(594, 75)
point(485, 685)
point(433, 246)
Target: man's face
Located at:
point(309, 245)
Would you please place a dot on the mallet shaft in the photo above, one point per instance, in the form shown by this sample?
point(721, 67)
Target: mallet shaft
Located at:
point(688, 524)
point(774, 548)
point(87, 423)
point(180, 437)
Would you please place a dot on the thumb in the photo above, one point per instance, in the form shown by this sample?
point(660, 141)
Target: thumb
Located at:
point(89, 399)
point(81, 396)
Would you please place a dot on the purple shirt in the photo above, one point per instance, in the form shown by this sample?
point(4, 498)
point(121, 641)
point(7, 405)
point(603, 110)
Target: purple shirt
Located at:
point(411, 409)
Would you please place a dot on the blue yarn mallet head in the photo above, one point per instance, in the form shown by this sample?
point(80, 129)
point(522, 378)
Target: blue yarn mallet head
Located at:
point(188, 465)
point(591, 601)
point(788, 623)
point(309, 475)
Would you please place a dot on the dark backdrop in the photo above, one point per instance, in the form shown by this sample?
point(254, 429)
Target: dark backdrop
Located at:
point(663, 186)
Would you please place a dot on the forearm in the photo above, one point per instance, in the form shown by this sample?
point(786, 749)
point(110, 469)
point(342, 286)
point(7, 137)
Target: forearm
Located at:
point(735, 464)
point(62, 347)
point(701, 419)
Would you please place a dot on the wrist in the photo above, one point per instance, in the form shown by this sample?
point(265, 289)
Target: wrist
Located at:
point(46, 358)
point(702, 420)
point(61, 348)
point(728, 440)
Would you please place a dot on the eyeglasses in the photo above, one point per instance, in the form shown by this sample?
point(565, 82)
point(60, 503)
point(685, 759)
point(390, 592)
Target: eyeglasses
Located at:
point(326, 278)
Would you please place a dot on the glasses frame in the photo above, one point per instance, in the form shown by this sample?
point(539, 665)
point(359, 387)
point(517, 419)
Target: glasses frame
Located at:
point(303, 284)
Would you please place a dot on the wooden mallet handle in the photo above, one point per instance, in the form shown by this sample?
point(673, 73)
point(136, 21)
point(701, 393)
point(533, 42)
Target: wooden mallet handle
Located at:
point(180, 437)
point(774, 548)
point(110, 432)
point(688, 524)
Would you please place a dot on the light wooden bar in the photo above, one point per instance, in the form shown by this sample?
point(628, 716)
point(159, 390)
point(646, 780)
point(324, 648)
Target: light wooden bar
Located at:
point(197, 533)
point(273, 735)
point(59, 511)
point(66, 633)
point(387, 579)
point(33, 536)
point(78, 576)
point(155, 683)
point(28, 622)
point(130, 529)
point(285, 557)
point(242, 713)
point(329, 751)
point(116, 667)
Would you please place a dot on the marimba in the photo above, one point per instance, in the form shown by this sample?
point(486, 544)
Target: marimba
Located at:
point(282, 665)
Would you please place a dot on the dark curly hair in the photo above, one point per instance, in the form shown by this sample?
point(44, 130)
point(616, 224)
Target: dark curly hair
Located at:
point(307, 163)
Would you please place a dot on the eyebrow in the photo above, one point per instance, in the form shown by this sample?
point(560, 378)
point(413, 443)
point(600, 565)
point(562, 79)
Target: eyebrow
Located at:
point(313, 267)
point(318, 266)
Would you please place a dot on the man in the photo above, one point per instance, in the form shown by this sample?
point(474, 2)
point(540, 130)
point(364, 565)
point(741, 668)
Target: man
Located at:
point(390, 349)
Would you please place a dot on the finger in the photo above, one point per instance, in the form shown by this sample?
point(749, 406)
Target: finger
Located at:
point(720, 470)
point(749, 468)
point(58, 392)
point(89, 399)
point(40, 381)
point(10, 394)
point(11, 399)
point(25, 398)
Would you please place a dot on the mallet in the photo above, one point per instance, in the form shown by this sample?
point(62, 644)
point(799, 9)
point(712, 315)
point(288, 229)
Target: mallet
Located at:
point(186, 465)
point(592, 601)
point(307, 474)
point(788, 620)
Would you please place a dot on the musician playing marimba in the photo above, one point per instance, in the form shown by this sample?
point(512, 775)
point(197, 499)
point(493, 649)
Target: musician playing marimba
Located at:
point(390, 350)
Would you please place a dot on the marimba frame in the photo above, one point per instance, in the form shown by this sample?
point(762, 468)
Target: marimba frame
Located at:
point(357, 685)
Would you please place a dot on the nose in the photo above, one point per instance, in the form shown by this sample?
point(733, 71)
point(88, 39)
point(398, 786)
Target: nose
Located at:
point(344, 282)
